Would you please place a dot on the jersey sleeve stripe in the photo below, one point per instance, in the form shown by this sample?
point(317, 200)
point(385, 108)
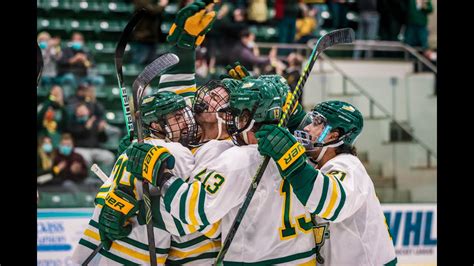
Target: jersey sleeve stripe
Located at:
point(201, 249)
point(211, 231)
point(177, 83)
point(168, 199)
point(323, 194)
point(182, 208)
point(341, 202)
point(106, 254)
point(334, 197)
point(179, 227)
point(201, 203)
point(195, 187)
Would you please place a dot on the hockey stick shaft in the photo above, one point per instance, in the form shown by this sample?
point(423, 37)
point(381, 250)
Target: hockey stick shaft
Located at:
point(326, 41)
point(155, 68)
point(99, 173)
point(39, 64)
point(119, 52)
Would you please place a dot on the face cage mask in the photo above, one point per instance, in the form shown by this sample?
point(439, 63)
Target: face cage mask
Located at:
point(183, 126)
point(212, 98)
point(239, 135)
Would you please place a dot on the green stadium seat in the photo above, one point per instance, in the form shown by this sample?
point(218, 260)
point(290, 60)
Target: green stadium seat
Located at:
point(84, 200)
point(132, 70)
point(57, 200)
point(105, 68)
point(80, 25)
point(115, 117)
point(88, 6)
point(109, 25)
point(50, 24)
point(119, 7)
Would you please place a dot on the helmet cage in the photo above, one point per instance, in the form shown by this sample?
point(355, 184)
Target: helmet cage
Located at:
point(207, 94)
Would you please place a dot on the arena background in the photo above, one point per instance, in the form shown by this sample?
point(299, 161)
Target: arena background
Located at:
point(394, 86)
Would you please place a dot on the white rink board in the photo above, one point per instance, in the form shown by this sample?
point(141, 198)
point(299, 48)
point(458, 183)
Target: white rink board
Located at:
point(59, 231)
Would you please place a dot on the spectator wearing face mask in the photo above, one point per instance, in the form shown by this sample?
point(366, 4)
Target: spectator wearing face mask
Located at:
point(45, 156)
point(69, 167)
point(51, 52)
point(88, 132)
point(75, 64)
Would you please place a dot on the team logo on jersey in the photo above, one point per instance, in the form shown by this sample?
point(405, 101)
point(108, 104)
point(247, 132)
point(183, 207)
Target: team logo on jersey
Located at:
point(321, 233)
point(276, 113)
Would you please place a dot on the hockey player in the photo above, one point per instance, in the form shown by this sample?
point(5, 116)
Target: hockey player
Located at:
point(338, 191)
point(276, 229)
point(167, 118)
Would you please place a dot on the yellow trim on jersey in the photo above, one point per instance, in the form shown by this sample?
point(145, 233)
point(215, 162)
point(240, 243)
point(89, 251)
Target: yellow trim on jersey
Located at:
point(213, 230)
point(194, 150)
point(283, 227)
point(334, 197)
point(130, 252)
point(201, 249)
point(192, 203)
point(101, 195)
point(312, 262)
point(191, 228)
point(291, 155)
point(184, 90)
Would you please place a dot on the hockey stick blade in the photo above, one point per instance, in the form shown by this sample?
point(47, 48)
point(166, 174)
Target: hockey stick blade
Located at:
point(155, 68)
point(345, 35)
point(332, 38)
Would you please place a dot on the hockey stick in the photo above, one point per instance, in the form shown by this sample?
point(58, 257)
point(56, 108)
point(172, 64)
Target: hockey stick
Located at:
point(332, 38)
point(119, 51)
point(157, 67)
point(39, 64)
point(99, 173)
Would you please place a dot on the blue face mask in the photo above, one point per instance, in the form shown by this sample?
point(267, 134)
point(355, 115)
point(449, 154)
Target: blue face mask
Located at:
point(65, 150)
point(82, 119)
point(43, 45)
point(47, 147)
point(76, 45)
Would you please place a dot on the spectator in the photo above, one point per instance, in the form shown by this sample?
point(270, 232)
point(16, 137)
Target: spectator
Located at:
point(216, 40)
point(202, 66)
point(69, 167)
point(246, 52)
point(257, 11)
point(86, 93)
point(286, 12)
point(319, 7)
point(148, 31)
point(51, 52)
point(293, 71)
point(75, 64)
point(338, 10)
point(230, 30)
point(89, 131)
point(52, 116)
point(393, 15)
point(416, 32)
point(306, 25)
point(368, 25)
point(44, 158)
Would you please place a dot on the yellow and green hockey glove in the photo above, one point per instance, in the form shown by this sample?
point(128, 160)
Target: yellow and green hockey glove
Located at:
point(191, 25)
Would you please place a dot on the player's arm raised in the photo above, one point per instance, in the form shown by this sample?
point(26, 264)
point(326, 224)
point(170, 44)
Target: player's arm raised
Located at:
point(323, 195)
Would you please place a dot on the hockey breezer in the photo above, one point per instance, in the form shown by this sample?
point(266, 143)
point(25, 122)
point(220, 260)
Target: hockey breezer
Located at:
point(119, 51)
point(332, 38)
point(157, 67)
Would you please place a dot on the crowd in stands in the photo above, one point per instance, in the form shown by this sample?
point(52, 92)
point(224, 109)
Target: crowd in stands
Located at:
point(71, 122)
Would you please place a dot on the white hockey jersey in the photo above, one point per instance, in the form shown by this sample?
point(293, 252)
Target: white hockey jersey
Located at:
point(353, 231)
point(133, 249)
point(197, 248)
point(275, 228)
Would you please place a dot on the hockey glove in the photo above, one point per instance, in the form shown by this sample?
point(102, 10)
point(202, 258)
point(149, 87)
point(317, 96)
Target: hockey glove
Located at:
point(282, 147)
point(147, 162)
point(191, 25)
point(236, 71)
point(113, 218)
point(124, 143)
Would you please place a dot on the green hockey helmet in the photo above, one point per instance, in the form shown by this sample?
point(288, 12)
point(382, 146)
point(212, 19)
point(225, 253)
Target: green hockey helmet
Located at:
point(260, 98)
point(334, 115)
point(170, 111)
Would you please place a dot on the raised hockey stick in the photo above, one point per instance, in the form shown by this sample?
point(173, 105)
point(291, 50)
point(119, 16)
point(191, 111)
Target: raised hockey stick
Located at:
point(39, 64)
point(157, 67)
point(119, 51)
point(332, 38)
